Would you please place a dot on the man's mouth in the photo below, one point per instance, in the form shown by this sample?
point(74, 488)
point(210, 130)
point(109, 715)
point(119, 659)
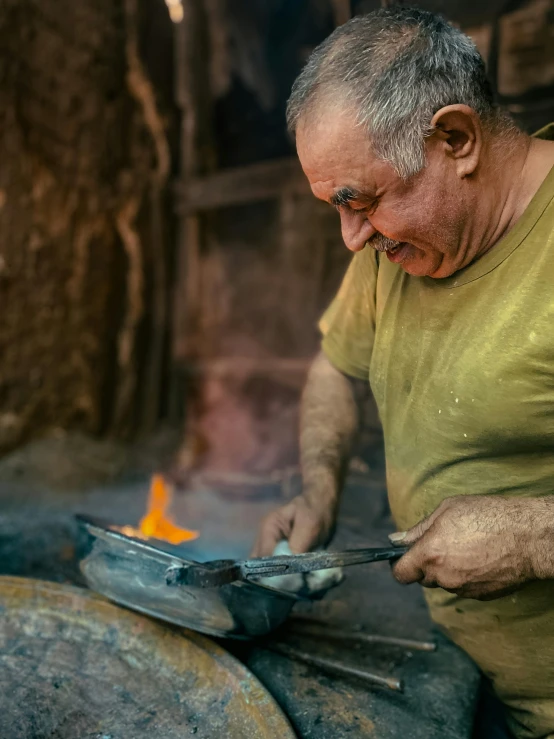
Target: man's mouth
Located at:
point(398, 253)
point(393, 249)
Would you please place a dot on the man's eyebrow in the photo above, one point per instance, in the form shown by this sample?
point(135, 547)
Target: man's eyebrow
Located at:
point(344, 196)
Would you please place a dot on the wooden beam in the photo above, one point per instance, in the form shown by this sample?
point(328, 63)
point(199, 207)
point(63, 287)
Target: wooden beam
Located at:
point(287, 371)
point(240, 185)
point(223, 366)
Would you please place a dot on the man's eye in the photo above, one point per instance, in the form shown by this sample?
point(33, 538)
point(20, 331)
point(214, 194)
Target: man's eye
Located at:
point(368, 209)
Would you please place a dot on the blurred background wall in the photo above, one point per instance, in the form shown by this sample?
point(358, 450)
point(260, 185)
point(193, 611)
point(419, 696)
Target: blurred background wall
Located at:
point(162, 260)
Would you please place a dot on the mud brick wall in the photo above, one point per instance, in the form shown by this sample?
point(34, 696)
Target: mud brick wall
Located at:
point(76, 160)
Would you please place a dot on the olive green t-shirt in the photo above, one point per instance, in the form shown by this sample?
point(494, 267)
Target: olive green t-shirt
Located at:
point(462, 370)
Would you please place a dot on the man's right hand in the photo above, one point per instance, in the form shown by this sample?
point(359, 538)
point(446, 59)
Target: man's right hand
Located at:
point(302, 524)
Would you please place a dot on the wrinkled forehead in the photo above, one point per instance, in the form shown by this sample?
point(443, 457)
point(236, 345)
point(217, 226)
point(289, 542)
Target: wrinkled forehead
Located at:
point(331, 142)
point(329, 130)
point(335, 152)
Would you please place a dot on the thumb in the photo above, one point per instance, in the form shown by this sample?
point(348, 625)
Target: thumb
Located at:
point(302, 539)
point(307, 530)
point(274, 528)
point(406, 538)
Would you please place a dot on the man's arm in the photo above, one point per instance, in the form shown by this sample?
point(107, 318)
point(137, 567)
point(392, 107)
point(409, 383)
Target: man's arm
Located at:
point(481, 546)
point(329, 420)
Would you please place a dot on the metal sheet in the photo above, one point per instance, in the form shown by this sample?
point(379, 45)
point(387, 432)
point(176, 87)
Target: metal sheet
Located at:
point(133, 574)
point(72, 664)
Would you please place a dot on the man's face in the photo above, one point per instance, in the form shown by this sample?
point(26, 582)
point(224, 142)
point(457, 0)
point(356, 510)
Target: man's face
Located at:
point(422, 225)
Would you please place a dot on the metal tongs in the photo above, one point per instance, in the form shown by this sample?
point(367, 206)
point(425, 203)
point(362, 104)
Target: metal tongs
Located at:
point(225, 571)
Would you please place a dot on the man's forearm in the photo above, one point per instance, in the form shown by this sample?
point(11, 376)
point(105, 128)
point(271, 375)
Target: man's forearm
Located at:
point(330, 418)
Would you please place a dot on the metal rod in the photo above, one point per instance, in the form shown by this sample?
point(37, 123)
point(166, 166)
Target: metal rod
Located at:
point(311, 561)
point(322, 631)
point(217, 573)
point(331, 665)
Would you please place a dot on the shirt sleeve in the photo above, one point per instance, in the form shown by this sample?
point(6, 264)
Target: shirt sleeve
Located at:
point(348, 324)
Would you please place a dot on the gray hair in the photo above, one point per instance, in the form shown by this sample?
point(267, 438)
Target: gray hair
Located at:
point(395, 68)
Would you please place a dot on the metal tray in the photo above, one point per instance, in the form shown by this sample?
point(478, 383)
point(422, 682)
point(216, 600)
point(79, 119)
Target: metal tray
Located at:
point(132, 573)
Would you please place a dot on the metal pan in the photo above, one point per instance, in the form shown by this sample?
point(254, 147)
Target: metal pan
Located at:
point(133, 573)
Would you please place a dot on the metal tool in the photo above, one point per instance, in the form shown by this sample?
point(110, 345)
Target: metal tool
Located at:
point(143, 577)
point(335, 667)
point(225, 571)
point(320, 630)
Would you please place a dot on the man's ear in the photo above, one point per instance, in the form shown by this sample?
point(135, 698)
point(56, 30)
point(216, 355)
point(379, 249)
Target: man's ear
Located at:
point(457, 130)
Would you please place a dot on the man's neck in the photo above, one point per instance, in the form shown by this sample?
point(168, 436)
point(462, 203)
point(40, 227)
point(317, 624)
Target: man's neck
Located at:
point(515, 176)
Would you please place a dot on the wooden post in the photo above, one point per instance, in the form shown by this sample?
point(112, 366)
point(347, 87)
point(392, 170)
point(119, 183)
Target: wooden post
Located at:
point(143, 92)
point(193, 97)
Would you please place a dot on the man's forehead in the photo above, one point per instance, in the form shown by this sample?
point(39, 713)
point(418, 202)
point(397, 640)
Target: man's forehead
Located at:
point(331, 138)
point(337, 159)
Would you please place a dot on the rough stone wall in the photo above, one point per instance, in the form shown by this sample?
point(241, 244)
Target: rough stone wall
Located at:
point(75, 161)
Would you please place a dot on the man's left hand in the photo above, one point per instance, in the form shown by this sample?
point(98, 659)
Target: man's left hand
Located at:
point(480, 547)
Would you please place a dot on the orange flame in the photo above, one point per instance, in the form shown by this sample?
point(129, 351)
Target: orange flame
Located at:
point(157, 523)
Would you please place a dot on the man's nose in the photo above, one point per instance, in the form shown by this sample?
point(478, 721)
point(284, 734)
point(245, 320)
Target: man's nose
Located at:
point(356, 230)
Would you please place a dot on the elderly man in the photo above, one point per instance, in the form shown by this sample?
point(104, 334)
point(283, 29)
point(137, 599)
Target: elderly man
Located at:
point(447, 309)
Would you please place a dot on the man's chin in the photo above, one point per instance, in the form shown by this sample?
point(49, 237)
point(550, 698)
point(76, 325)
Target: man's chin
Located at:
point(416, 262)
point(410, 259)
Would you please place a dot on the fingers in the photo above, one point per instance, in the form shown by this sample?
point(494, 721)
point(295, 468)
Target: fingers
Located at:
point(306, 532)
point(410, 567)
point(304, 527)
point(414, 566)
point(406, 538)
point(313, 527)
point(274, 528)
